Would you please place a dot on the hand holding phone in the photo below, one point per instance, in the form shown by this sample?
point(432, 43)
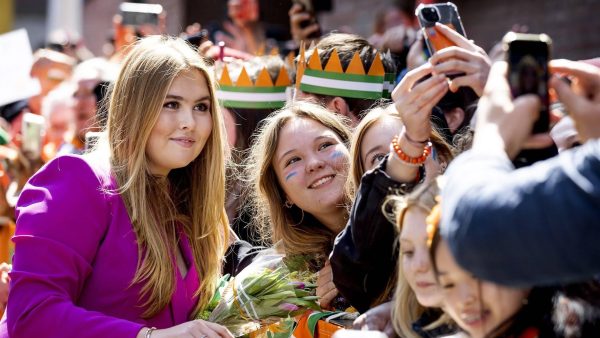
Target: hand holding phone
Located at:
point(444, 13)
point(303, 21)
point(470, 66)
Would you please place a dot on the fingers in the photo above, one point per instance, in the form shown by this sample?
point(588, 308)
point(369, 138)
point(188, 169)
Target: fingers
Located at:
point(455, 60)
point(474, 81)
point(410, 79)
point(202, 328)
point(221, 331)
point(359, 322)
point(528, 105)
point(297, 18)
point(453, 36)
point(306, 32)
point(446, 55)
point(296, 8)
point(414, 107)
point(497, 82)
point(566, 95)
point(538, 141)
point(455, 66)
point(326, 299)
point(427, 92)
point(574, 68)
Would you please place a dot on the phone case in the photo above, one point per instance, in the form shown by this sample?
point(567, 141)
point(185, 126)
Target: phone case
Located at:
point(447, 14)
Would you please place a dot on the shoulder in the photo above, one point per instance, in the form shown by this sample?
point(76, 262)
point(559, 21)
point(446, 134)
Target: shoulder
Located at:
point(66, 179)
point(75, 168)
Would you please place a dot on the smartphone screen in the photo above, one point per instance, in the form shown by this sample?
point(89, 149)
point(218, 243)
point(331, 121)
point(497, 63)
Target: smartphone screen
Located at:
point(32, 129)
point(527, 56)
point(137, 14)
point(444, 13)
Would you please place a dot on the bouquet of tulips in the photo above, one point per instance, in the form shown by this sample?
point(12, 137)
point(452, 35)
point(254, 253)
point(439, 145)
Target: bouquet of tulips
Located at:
point(265, 292)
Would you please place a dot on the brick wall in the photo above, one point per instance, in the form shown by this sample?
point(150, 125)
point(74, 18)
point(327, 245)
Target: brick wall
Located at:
point(573, 25)
point(355, 16)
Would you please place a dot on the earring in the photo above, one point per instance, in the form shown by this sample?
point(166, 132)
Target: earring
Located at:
point(288, 204)
point(301, 219)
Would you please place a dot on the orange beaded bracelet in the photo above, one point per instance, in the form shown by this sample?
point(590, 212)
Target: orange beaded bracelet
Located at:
point(414, 161)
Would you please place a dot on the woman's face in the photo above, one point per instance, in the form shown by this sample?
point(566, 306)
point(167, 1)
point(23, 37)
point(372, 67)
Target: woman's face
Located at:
point(311, 164)
point(376, 141)
point(416, 265)
point(477, 306)
point(183, 126)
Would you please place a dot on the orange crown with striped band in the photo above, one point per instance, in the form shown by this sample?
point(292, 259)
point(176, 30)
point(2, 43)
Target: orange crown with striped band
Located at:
point(354, 82)
point(260, 94)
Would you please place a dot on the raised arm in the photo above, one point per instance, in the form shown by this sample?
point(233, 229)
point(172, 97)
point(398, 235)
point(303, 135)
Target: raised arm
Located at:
point(535, 225)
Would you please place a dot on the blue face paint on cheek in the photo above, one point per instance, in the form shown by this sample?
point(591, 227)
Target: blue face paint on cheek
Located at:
point(290, 175)
point(336, 154)
point(434, 154)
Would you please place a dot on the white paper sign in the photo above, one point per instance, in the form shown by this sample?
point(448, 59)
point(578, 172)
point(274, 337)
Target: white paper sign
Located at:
point(15, 64)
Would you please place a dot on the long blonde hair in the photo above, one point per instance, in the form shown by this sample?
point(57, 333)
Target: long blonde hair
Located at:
point(295, 229)
point(406, 309)
point(192, 196)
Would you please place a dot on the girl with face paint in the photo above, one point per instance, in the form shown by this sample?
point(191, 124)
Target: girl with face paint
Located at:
point(297, 168)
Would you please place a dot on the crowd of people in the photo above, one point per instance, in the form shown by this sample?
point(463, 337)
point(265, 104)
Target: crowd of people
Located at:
point(169, 163)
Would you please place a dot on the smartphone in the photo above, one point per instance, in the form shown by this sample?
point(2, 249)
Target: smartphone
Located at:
point(307, 6)
point(32, 131)
point(527, 56)
point(444, 13)
point(137, 14)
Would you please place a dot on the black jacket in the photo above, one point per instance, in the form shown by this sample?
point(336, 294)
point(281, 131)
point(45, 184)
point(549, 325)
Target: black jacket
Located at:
point(364, 256)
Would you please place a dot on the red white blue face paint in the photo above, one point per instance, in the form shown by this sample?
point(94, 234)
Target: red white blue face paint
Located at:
point(290, 175)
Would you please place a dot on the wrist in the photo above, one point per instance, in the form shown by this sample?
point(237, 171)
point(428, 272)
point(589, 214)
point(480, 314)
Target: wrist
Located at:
point(408, 146)
point(146, 332)
point(410, 154)
point(414, 141)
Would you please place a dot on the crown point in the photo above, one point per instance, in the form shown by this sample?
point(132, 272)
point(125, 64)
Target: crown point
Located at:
point(355, 66)
point(314, 62)
point(225, 80)
point(244, 80)
point(301, 64)
point(283, 79)
point(377, 66)
point(334, 64)
point(264, 79)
